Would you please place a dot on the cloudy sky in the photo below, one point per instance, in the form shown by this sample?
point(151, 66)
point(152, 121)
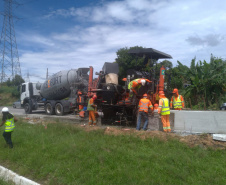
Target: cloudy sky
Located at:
point(66, 34)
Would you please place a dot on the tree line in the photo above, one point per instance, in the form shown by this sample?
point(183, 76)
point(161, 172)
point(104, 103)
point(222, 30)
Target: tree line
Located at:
point(202, 83)
point(11, 86)
point(16, 81)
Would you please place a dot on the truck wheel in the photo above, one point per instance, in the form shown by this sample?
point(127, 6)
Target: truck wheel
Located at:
point(59, 109)
point(27, 108)
point(49, 109)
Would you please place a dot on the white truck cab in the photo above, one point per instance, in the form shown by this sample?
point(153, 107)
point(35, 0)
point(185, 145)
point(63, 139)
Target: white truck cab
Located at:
point(28, 90)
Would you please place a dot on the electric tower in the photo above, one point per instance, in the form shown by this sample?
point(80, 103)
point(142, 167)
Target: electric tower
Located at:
point(9, 58)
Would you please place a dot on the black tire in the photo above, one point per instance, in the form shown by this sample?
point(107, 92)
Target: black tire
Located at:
point(59, 109)
point(49, 109)
point(14, 106)
point(27, 108)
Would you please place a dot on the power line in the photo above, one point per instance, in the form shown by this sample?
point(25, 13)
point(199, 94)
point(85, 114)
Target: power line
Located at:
point(9, 58)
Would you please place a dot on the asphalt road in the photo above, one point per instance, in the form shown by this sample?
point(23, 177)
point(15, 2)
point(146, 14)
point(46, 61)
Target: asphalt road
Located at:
point(40, 114)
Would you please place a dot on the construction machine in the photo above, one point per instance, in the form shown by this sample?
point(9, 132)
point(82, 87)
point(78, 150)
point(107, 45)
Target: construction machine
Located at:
point(113, 99)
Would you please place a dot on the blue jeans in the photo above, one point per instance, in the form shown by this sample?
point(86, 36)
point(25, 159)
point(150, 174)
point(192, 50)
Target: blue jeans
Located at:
point(145, 116)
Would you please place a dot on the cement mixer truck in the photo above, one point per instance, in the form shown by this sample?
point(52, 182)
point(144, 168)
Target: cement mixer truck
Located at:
point(57, 95)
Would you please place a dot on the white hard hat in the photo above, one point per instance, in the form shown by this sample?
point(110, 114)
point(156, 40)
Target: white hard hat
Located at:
point(143, 82)
point(5, 109)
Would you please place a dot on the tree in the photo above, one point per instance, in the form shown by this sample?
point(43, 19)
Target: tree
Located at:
point(168, 71)
point(127, 61)
point(176, 80)
point(207, 81)
point(17, 80)
point(8, 82)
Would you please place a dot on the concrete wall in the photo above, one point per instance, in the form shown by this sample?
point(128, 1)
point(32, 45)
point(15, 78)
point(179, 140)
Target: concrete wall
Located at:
point(199, 121)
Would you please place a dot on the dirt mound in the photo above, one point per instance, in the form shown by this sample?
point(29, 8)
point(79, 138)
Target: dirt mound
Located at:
point(203, 140)
point(142, 134)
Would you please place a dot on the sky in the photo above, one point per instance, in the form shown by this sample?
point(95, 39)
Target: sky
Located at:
point(69, 34)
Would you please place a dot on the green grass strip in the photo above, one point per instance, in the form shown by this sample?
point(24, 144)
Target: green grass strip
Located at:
point(66, 154)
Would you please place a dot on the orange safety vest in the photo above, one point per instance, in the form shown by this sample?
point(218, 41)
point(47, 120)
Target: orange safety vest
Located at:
point(144, 104)
point(80, 106)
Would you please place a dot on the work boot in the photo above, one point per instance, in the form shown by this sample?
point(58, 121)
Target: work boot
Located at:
point(10, 145)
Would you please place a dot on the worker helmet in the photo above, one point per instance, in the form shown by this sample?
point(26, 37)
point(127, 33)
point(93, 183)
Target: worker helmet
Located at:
point(145, 96)
point(5, 109)
point(175, 90)
point(143, 82)
point(161, 93)
point(156, 106)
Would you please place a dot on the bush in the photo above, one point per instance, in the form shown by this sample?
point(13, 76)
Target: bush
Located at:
point(15, 93)
point(6, 89)
point(8, 95)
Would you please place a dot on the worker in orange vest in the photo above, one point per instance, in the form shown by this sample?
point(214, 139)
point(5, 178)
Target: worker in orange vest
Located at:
point(144, 105)
point(91, 108)
point(80, 107)
point(164, 110)
point(177, 101)
point(79, 100)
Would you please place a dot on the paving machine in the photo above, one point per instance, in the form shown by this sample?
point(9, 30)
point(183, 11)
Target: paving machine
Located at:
point(113, 100)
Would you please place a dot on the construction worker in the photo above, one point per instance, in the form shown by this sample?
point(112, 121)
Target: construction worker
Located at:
point(91, 108)
point(135, 85)
point(80, 107)
point(177, 101)
point(79, 100)
point(164, 110)
point(144, 105)
point(8, 119)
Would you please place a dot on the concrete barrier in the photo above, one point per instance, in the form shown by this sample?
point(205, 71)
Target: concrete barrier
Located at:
point(199, 121)
point(8, 175)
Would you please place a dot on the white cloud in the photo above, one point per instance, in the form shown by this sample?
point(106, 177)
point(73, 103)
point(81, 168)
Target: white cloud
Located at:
point(142, 5)
point(169, 26)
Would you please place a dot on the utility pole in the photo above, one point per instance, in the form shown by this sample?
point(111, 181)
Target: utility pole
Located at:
point(9, 58)
point(47, 74)
point(28, 77)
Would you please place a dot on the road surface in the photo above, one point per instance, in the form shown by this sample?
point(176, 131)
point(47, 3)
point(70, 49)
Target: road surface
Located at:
point(40, 114)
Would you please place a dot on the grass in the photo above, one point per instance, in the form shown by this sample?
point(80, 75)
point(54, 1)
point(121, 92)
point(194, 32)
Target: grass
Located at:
point(2, 182)
point(6, 95)
point(66, 154)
